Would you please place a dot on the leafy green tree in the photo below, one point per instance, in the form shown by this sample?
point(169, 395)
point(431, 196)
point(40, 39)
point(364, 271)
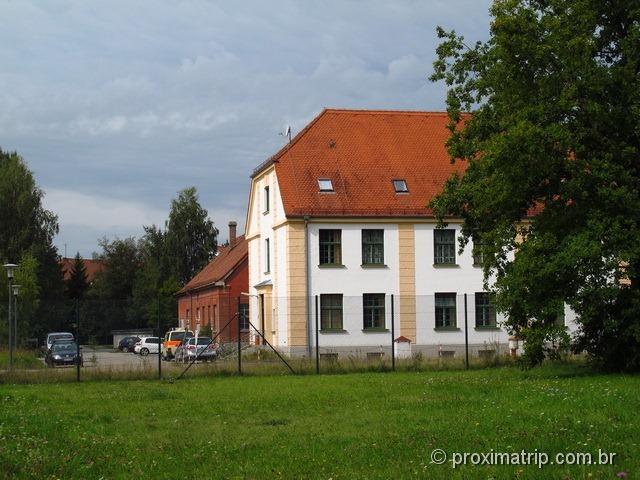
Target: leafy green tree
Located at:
point(77, 285)
point(29, 296)
point(191, 238)
point(27, 231)
point(108, 304)
point(552, 181)
point(155, 285)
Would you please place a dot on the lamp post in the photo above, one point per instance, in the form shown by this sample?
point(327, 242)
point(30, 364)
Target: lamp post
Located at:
point(10, 267)
point(16, 291)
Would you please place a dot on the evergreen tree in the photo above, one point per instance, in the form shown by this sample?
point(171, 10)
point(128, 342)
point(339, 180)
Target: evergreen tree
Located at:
point(77, 285)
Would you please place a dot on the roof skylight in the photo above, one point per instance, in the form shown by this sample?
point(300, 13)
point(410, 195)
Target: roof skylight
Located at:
point(400, 186)
point(325, 185)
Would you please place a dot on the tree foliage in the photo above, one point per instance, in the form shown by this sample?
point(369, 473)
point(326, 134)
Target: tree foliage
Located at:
point(77, 285)
point(191, 238)
point(27, 230)
point(551, 188)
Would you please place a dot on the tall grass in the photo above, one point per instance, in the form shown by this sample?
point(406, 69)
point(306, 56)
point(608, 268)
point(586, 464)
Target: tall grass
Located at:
point(252, 365)
point(22, 359)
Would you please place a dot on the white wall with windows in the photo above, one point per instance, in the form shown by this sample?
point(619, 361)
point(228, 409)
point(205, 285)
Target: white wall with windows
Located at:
point(354, 272)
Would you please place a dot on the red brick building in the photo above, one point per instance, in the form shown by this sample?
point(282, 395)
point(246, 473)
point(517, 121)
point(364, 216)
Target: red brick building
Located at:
point(211, 297)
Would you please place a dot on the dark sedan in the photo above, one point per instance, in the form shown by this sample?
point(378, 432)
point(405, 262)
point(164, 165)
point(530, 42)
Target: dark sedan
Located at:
point(63, 354)
point(127, 343)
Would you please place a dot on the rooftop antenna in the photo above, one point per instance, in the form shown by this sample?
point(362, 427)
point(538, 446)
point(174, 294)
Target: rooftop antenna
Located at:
point(287, 133)
point(65, 250)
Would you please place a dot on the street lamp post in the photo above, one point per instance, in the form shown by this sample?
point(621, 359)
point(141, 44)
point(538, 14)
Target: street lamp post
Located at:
point(10, 267)
point(16, 291)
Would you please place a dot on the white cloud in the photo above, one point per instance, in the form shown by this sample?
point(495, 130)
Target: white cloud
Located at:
point(74, 208)
point(136, 100)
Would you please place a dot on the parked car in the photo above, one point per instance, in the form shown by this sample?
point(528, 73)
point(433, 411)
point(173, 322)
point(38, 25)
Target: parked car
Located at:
point(147, 345)
point(63, 353)
point(172, 340)
point(127, 343)
point(57, 337)
point(205, 350)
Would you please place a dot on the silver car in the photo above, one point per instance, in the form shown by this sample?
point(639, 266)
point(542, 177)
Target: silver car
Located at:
point(205, 350)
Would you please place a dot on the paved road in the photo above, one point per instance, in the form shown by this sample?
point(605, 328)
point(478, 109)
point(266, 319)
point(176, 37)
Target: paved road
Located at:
point(115, 359)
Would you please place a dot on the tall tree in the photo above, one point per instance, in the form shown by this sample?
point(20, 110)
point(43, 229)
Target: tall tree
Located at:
point(27, 230)
point(552, 153)
point(108, 304)
point(191, 237)
point(77, 285)
point(155, 284)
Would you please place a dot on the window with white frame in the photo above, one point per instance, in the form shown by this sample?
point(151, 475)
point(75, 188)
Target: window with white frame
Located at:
point(267, 200)
point(485, 311)
point(267, 256)
point(372, 247)
point(445, 310)
point(331, 311)
point(373, 311)
point(444, 246)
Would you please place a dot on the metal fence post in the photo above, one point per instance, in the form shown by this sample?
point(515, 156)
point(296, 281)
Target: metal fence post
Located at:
point(10, 325)
point(317, 341)
point(159, 343)
point(466, 334)
point(239, 342)
point(78, 361)
point(393, 335)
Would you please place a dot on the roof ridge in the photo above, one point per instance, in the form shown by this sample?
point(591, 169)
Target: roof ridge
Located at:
point(385, 112)
point(287, 147)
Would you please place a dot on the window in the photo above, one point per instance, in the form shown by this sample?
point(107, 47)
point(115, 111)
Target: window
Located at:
point(267, 256)
point(478, 256)
point(485, 312)
point(372, 247)
point(330, 248)
point(373, 310)
point(325, 185)
point(244, 316)
point(400, 186)
point(444, 246)
point(331, 312)
point(445, 310)
point(266, 200)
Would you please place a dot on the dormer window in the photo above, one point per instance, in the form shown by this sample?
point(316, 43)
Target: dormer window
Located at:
point(400, 186)
point(325, 185)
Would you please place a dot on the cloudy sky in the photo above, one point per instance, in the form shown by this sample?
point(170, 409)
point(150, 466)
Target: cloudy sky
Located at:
point(118, 105)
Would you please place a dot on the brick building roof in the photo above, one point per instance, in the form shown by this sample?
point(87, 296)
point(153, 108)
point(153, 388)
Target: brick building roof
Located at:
point(93, 267)
point(362, 152)
point(224, 263)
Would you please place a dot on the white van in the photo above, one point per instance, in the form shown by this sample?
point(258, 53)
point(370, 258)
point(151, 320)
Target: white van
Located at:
point(58, 337)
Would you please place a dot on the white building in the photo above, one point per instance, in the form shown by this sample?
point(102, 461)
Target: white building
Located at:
point(339, 217)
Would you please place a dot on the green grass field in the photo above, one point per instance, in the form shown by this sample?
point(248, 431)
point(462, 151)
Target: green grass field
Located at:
point(367, 425)
point(27, 359)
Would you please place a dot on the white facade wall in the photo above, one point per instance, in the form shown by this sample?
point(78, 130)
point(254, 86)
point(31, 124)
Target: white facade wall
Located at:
point(353, 280)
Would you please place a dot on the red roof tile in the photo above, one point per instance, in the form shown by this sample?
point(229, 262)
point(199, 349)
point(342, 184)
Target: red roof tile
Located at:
point(227, 259)
point(93, 267)
point(362, 152)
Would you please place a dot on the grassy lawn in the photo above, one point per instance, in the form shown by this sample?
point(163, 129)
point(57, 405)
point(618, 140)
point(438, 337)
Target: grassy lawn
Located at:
point(27, 359)
point(368, 425)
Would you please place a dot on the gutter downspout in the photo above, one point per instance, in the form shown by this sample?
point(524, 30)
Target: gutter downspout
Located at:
point(308, 278)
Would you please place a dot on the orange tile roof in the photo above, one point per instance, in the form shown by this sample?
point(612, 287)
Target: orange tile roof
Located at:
point(227, 259)
point(93, 267)
point(362, 152)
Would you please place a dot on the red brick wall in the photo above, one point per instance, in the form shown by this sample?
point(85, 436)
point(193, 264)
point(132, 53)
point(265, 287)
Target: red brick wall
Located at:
point(216, 305)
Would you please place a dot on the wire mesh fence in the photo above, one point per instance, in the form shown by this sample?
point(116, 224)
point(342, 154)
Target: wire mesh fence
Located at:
point(258, 334)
